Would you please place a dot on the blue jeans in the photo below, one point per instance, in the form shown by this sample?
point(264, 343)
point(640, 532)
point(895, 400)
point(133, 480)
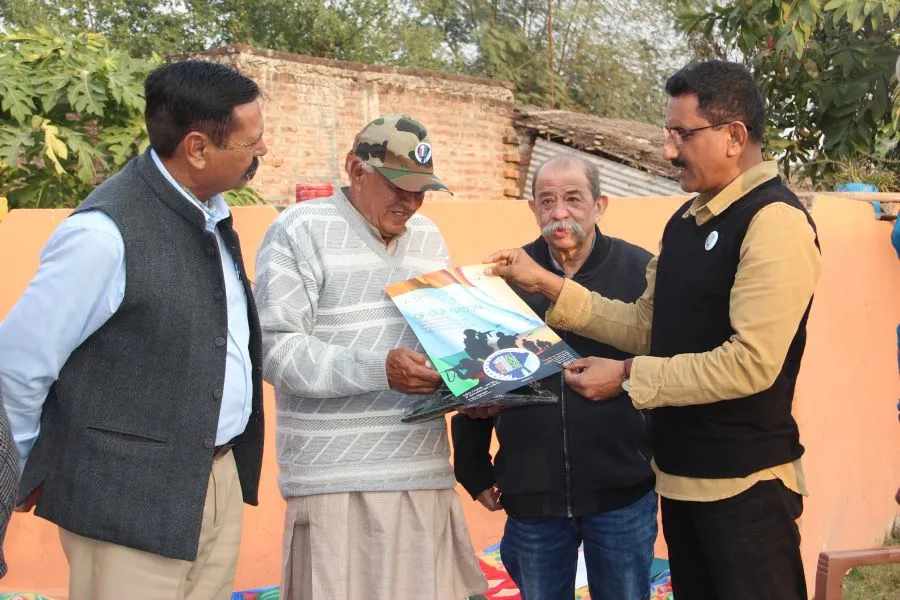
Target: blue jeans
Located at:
point(541, 555)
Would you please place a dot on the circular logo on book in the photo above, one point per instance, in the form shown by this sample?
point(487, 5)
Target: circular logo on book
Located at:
point(511, 364)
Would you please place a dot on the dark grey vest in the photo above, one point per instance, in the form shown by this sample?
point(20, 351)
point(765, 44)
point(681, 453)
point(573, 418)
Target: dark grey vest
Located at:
point(128, 429)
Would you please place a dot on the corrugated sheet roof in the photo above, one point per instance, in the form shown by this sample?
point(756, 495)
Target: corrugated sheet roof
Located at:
point(616, 179)
point(632, 143)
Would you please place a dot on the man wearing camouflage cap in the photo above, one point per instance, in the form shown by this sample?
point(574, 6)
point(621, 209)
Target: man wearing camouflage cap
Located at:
point(371, 509)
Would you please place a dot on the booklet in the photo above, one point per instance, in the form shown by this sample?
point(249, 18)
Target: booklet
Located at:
point(483, 339)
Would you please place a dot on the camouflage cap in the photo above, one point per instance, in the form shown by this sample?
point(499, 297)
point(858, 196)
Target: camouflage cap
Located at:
point(399, 148)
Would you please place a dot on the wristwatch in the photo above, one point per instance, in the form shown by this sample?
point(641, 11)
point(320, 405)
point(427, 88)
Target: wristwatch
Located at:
point(626, 382)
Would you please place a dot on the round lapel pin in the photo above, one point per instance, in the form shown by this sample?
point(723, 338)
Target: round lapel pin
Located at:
point(711, 240)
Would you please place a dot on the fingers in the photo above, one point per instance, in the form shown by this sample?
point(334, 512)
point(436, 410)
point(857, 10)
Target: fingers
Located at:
point(418, 358)
point(422, 373)
point(495, 499)
point(417, 387)
point(501, 256)
point(487, 412)
point(500, 263)
point(575, 380)
point(411, 373)
point(481, 412)
point(418, 369)
point(499, 270)
point(490, 499)
point(489, 504)
point(577, 364)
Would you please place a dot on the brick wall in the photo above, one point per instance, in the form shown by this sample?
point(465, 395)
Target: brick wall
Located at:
point(315, 107)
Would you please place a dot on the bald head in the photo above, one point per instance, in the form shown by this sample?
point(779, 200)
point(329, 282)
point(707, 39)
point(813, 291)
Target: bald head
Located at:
point(565, 161)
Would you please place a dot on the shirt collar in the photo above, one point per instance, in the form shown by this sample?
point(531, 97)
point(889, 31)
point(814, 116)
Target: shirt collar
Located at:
point(219, 206)
point(704, 207)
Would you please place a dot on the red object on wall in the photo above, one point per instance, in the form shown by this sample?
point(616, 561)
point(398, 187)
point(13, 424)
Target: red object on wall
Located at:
point(309, 191)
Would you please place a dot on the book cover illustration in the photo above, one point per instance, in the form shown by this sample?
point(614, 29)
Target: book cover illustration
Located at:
point(481, 337)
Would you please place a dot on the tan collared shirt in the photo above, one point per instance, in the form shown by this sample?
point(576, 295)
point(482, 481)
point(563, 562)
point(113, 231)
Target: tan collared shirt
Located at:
point(777, 273)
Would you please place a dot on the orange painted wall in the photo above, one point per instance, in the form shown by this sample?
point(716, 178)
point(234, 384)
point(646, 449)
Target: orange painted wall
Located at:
point(845, 400)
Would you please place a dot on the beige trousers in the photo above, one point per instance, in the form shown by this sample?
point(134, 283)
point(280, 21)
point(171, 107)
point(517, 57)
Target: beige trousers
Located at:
point(411, 545)
point(104, 571)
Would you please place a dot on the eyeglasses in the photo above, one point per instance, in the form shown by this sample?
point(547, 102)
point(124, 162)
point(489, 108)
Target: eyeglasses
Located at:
point(680, 136)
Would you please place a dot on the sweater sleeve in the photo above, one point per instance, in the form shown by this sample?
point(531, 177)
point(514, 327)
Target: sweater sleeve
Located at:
point(287, 296)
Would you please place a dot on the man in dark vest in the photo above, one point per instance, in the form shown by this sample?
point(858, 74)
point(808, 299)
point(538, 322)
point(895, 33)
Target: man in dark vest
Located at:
point(577, 471)
point(718, 337)
point(130, 367)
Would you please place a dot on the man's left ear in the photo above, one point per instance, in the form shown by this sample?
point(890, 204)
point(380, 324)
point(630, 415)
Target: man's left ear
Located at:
point(602, 203)
point(738, 138)
point(195, 146)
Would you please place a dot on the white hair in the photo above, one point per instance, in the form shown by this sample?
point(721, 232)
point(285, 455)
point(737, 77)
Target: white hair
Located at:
point(367, 167)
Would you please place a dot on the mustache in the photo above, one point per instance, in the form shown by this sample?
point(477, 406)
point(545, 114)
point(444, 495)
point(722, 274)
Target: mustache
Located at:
point(568, 225)
point(251, 170)
point(677, 162)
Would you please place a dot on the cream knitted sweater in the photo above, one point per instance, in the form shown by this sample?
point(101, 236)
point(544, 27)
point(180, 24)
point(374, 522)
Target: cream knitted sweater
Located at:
point(327, 326)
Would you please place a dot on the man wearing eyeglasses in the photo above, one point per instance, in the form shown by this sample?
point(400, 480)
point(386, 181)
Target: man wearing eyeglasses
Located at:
point(718, 337)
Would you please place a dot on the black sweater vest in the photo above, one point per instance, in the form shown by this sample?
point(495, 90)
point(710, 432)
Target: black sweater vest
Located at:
point(695, 274)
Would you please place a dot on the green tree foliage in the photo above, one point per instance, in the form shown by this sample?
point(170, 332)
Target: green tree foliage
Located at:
point(139, 27)
point(826, 66)
point(609, 57)
point(366, 31)
point(71, 113)
point(599, 56)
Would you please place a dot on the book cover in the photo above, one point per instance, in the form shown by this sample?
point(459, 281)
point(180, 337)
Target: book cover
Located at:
point(481, 337)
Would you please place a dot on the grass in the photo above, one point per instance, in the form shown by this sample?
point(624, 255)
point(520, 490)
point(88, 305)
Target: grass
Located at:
point(879, 582)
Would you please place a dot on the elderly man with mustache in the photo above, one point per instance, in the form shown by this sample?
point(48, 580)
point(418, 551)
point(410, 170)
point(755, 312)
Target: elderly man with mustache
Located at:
point(578, 471)
point(130, 367)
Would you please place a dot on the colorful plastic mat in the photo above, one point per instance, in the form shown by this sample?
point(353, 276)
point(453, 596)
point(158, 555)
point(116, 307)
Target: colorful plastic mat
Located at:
point(500, 585)
point(266, 593)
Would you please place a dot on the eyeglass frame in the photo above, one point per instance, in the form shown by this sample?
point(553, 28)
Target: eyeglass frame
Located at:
point(686, 134)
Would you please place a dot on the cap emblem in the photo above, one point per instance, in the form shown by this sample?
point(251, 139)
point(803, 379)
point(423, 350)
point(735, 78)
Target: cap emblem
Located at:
point(423, 153)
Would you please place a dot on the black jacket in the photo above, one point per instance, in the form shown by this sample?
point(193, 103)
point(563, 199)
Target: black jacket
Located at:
point(577, 457)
